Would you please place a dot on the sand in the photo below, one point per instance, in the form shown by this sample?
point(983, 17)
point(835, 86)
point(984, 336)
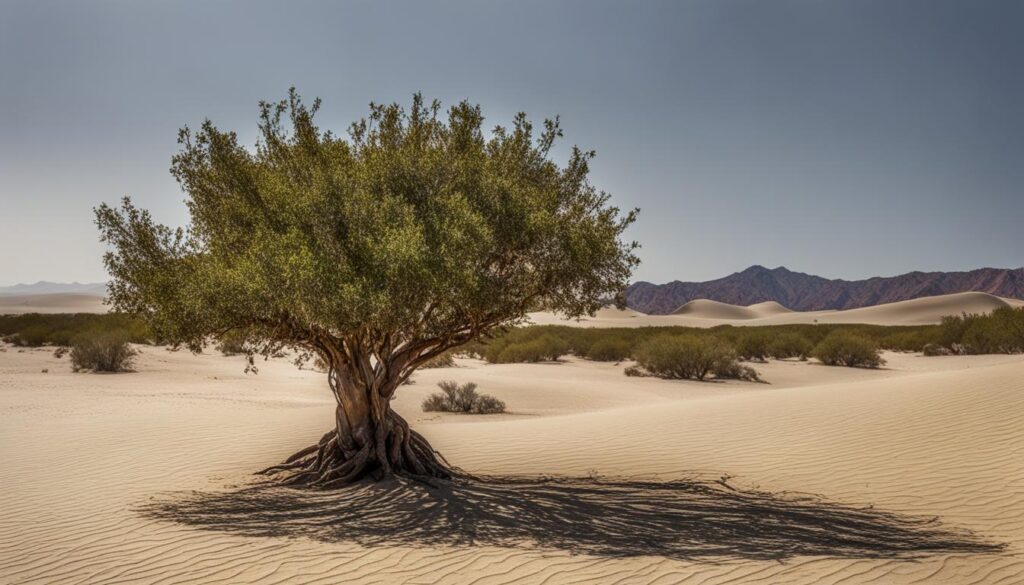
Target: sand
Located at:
point(84, 454)
point(51, 303)
point(705, 313)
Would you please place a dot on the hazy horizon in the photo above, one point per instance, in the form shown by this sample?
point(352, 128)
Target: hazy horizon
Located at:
point(846, 141)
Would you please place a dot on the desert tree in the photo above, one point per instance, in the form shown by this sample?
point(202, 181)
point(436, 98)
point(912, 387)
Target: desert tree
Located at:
point(375, 251)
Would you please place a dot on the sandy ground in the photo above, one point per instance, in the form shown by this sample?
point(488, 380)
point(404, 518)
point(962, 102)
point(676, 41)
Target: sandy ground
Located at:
point(84, 454)
point(705, 313)
point(51, 303)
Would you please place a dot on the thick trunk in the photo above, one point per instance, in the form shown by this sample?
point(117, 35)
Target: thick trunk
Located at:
point(369, 440)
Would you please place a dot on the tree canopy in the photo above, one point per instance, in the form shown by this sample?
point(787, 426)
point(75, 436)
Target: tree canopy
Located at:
point(415, 228)
point(377, 252)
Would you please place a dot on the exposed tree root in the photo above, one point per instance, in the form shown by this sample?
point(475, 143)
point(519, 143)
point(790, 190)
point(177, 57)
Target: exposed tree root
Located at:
point(328, 464)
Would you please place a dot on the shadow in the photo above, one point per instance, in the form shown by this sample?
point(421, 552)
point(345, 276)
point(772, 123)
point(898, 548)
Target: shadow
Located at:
point(613, 518)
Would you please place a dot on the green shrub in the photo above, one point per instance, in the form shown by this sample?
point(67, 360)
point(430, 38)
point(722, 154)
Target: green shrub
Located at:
point(35, 329)
point(443, 360)
point(752, 345)
point(32, 336)
point(462, 399)
point(609, 350)
point(842, 348)
point(733, 370)
point(102, 352)
point(790, 345)
point(541, 349)
point(686, 357)
point(1001, 331)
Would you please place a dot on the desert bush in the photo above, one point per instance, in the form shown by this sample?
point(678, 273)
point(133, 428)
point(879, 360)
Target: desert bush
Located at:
point(540, 349)
point(1001, 331)
point(609, 350)
point(842, 348)
point(462, 399)
point(102, 352)
point(934, 349)
point(686, 357)
point(752, 345)
point(733, 370)
point(444, 360)
point(789, 345)
point(35, 329)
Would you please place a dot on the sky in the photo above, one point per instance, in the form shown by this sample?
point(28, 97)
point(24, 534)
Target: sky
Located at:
point(844, 139)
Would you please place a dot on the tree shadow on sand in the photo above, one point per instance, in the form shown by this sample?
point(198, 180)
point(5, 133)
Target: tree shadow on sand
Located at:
point(691, 519)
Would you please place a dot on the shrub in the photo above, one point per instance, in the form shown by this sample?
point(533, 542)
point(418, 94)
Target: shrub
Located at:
point(687, 357)
point(934, 349)
point(544, 348)
point(1001, 331)
point(102, 352)
point(32, 336)
point(842, 348)
point(789, 345)
point(462, 399)
point(232, 343)
point(609, 350)
point(734, 370)
point(752, 346)
point(444, 360)
point(34, 329)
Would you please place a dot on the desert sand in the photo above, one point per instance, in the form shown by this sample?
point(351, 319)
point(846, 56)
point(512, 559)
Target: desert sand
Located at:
point(705, 313)
point(87, 457)
point(52, 303)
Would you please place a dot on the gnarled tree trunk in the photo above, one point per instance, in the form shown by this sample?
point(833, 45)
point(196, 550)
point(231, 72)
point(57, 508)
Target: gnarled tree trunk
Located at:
point(369, 438)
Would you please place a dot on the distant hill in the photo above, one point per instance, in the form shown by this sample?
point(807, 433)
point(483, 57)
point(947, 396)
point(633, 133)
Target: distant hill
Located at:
point(806, 292)
point(48, 288)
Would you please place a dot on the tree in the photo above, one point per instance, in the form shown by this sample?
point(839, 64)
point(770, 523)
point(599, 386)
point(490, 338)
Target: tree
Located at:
point(376, 253)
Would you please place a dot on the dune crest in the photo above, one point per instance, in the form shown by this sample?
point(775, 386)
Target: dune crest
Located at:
point(707, 313)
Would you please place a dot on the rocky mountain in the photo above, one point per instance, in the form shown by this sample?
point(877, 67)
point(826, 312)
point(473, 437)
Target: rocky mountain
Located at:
point(805, 292)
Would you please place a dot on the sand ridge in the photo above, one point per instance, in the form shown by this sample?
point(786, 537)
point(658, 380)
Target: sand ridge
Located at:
point(705, 313)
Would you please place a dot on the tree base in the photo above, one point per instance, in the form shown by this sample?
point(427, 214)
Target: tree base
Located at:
point(328, 465)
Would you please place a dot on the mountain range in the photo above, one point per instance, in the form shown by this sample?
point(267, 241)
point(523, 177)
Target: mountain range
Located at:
point(46, 288)
point(806, 292)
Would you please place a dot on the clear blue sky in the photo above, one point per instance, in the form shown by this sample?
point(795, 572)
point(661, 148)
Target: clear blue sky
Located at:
point(846, 139)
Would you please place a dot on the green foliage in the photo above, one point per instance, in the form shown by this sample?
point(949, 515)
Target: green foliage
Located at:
point(789, 345)
point(685, 357)
point(540, 349)
point(1001, 331)
point(34, 329)
point(106, 351)
point(417, 228)
point(444, 360)
point(609, 350)
point(842, 348)
point(462, 399)
point(752, 345)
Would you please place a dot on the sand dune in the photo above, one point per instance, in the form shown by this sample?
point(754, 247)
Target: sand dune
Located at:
point(705, 309)
point(52, 303)
point(705, 313)
point(84, 455)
